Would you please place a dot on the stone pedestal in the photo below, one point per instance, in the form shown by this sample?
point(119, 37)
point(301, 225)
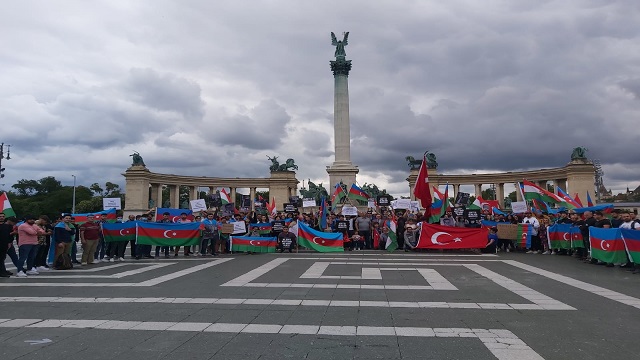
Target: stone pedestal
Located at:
point(581, 178)
point(281, 187)
point(136, 190)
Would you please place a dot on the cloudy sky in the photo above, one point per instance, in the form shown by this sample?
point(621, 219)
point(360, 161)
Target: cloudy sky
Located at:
point(212, 87)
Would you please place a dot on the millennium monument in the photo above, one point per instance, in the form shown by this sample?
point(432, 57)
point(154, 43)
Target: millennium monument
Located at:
point(342, 170)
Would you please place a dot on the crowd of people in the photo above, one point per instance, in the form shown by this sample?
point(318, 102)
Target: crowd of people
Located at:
point(368, 230)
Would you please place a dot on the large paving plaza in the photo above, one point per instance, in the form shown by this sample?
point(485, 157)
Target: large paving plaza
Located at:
point(365, 305)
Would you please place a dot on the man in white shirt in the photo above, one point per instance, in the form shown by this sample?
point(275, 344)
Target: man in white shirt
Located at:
point(534, 225)
point(628, 223)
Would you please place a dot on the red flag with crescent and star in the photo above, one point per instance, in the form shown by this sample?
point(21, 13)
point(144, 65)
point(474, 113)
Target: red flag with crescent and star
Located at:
point(422, 190)
point(447, 237)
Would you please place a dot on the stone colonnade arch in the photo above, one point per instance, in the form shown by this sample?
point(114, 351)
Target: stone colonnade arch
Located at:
point(143, 185)
point(578, 176)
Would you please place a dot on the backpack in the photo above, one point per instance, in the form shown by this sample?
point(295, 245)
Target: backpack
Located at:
point(63, 262)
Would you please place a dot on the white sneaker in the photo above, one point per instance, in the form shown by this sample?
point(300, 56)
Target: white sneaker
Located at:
point(21, 274)
point(121, 259)
point(42, 268)
point(508, 250)
point(554, 253)
point(33, 272)
point(84, 264)
point(110, 260)
point(546, 253)
point(529, 252)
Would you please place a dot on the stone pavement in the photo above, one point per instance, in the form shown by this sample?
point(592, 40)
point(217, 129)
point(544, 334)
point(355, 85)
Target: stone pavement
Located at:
point(364, 305)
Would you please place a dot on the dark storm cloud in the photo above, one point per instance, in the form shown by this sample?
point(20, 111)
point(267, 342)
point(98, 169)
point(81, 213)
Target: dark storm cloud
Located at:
point(207, 88)
point(262, 128)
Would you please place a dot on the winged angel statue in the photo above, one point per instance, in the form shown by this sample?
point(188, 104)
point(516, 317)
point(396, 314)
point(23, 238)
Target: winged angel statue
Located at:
point(340, 44)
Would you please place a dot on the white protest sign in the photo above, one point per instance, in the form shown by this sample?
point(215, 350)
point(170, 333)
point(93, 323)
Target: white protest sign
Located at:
point(239, 227)
point(308, 202)
point(198, 205)
point(371, 204)
point(403, 204)
point(111, 203)
point(415, 206)
point(519, 207)
point(349, 210)
point(393, 203)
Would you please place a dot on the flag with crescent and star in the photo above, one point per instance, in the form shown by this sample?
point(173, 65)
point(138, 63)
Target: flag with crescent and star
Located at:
point(262, 228)
point(447, 237)
point(119, 231)
point(524, 236)
point(632, 243)
point(607, 245)
point(254, 244)
point(168, 234)
point(559, 236)
point(422, 190)
point(355, 192)
point(174, 214)
point(576, 238)
point(83, 218)
point(319, 241)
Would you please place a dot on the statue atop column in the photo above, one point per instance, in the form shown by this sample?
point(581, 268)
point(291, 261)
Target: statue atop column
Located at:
point(340, 44)
point(137, 159)
point(579, 153)
point(340, 66)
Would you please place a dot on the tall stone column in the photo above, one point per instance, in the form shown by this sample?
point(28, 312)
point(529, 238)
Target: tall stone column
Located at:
point(233, 195)
point(193, 193)
point(174, 196)
point(456, 190)
point(342, 170)
point(136, 190)
point(154, 193)
point(252, 194)
point(478, 190)
point(500, 194)
point(518, 193)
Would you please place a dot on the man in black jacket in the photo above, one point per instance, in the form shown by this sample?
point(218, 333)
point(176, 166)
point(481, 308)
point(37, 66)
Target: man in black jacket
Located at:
point(6, 240)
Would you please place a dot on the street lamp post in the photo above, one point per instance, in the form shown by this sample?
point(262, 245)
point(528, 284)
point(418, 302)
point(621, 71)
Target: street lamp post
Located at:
point(8, 157)
point(73, 207)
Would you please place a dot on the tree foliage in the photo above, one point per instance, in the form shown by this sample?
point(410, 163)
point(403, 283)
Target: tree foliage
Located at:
point(48, 196)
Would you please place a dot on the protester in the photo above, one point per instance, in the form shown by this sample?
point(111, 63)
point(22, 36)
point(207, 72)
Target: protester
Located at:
point(64, 236)
point(286, 240)
point(89, 238)
point(28, 233)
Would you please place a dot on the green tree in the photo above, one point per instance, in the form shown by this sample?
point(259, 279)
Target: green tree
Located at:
point(95, 187)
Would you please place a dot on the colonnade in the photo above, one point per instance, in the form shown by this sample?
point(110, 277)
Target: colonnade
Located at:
point(578, 176)
point(143, 185)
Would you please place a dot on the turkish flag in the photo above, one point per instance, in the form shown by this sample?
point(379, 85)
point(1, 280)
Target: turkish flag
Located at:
point(447, 237)
point(422, 188)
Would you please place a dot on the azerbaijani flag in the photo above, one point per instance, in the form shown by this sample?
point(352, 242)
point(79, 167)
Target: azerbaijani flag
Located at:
point(5, 206)
point(570, 203)
point(439, 207)
point(263, 228)
point(160, 234)
point(319, 241)
point(577, 240)
point(559, 236)
point(357, 193)
point(392, 240)
point(83, 218)
point(524, 236)
point(632, 243)
point(338, 194)
point(119, 231)
point(224, 196)
point(253, 244)
point(589, 201)
point(607, 245)
point(174, 214)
